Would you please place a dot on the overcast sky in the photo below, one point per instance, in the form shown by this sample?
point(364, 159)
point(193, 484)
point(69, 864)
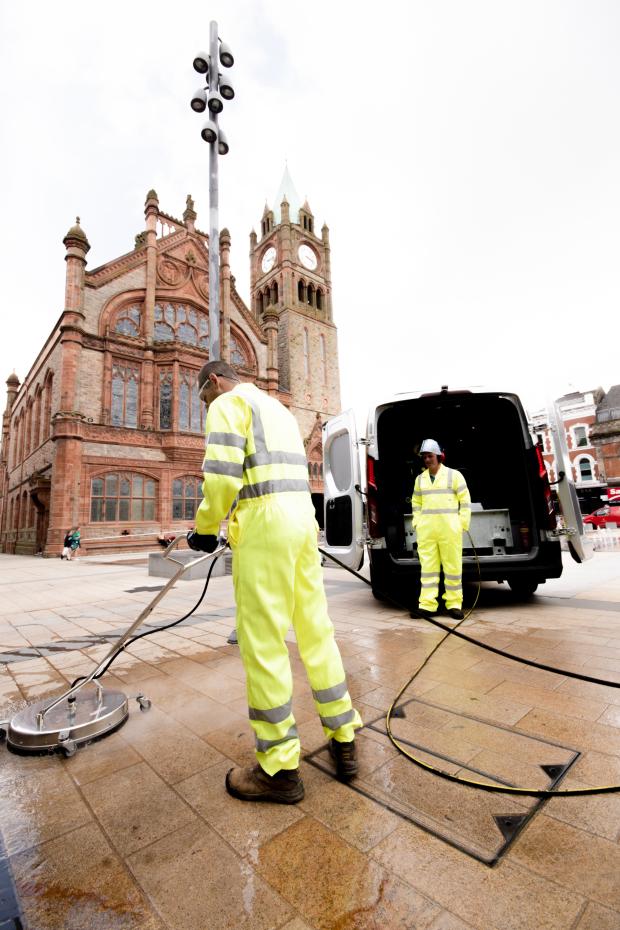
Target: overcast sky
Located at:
point(465, 155)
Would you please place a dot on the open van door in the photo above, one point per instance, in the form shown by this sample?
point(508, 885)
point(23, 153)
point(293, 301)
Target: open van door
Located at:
point(343, 502)
point(579, 548)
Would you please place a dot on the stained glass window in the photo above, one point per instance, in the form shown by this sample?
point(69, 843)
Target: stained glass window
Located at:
point(119, 497)
point(125, 395)
point(192, 412)
point(186, 497)
point(165, 399)
point(181, 323)
point(128, 322)
point(237, 356)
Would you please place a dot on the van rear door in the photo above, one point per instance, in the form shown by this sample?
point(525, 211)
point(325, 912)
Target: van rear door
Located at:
point(578, 547)
point(343, 500)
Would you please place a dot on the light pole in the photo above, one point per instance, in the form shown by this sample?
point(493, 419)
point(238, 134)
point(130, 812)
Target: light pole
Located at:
point(218, 88)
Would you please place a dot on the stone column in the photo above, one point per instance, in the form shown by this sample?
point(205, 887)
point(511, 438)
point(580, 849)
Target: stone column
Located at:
point(147, 392)
point(68, 427)
point(151, 212)
point(327, 272)
point(253, 258)
point(270, 326)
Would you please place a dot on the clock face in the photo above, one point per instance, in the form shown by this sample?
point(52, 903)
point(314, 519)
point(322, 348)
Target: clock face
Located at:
point(307, 257)
point(269, 259)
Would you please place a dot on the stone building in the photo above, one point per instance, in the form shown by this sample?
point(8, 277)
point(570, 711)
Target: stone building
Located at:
point(578, 411)
point(106, 429)
point(606, 437)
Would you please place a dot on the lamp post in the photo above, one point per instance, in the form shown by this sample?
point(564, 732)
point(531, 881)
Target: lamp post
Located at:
point(211, 97)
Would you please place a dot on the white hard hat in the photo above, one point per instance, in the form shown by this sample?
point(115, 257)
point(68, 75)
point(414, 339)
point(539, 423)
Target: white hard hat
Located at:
point(429, 445)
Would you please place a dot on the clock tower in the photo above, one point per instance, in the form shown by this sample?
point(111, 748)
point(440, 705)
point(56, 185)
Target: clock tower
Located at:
point(290, 283)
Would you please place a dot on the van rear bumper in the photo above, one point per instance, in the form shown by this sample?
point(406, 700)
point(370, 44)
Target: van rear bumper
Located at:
point(390, 575)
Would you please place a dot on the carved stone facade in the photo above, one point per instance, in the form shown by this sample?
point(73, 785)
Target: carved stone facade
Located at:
point(106, 430)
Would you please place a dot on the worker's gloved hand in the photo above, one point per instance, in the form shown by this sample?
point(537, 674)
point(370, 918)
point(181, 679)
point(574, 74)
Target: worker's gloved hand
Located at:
point(202, 542)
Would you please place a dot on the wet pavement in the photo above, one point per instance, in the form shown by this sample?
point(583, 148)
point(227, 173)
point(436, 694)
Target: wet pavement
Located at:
point(136, 831)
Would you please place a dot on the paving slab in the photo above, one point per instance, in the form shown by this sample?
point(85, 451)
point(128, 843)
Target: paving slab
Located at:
point(136, 831)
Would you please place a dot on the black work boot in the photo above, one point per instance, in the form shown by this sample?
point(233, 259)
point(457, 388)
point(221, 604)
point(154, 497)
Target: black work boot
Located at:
point(419, 613)
point(345, 757)
point(254, 784)
point(456, 613)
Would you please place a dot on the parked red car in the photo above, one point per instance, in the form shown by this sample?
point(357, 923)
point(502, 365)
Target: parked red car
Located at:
point(609, 513)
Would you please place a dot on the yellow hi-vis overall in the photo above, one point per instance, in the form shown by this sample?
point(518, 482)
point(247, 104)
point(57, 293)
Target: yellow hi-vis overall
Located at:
point(255, 456)
point(441, 513)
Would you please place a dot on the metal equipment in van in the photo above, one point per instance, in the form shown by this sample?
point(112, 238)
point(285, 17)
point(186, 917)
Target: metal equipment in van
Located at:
point(515, 533)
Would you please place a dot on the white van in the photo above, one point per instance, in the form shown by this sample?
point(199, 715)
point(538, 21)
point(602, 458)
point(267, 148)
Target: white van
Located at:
point(486, 436)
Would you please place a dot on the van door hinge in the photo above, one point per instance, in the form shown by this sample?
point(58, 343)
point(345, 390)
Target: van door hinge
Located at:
point(363, 442)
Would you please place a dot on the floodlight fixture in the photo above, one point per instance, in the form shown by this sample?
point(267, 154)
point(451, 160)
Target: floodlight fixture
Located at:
point(226, 87)
point(222, 143)
point(226, 56)
point(199, 100)
point(209, 132)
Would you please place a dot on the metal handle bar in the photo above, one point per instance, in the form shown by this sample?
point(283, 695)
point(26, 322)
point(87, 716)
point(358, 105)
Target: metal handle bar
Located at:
point(118, 645)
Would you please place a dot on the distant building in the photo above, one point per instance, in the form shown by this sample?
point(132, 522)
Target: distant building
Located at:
point(106, 430)
point(606, 437)
point(578, 412)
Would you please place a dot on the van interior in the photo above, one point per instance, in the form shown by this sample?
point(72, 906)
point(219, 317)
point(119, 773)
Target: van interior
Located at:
point(484, 437)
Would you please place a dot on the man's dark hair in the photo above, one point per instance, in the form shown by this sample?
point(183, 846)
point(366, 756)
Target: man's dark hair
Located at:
point(218, 367)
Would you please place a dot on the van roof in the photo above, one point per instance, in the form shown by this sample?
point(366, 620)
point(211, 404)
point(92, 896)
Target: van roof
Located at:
point(439, 389)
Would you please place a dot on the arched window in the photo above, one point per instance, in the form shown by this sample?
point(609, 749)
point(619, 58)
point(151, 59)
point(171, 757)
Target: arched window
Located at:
point(28, 430)
point(259, 304)
point(120, 497)
point(181, 323)
point(585, 469)
point(125, 379)
point(128, 322)
point(24, 510)
point(192, 411)
point(301, 292)
point(319, 299)
point(306, 354)
point(310, 297)
point(237, 355)
point(274, 292)
point(165, 398)
point(47, 405)
point(36, 426)
point(186, 496)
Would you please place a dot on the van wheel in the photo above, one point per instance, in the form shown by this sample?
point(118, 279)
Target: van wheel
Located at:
point(523, 587)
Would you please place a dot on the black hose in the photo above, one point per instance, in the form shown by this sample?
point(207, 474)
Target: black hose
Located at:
point(498, 789)
point(157, 629)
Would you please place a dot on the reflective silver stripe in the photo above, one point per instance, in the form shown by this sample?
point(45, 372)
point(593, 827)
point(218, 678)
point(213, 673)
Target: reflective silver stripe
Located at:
point(275, 458)
point(272, 715)
point(215, 467)
point(257, 426)
point(431, 575)
point(450, 478)
point(461, 488)
point(417, 506)
point(453, 587)
point(430, 584)
point(277, 486)
point(465, 506)
point(262, 745)
point(325, 695)
point(438, 491)
point(227, 439)
point(452, 577)
point(334, 722)
point(433, 511)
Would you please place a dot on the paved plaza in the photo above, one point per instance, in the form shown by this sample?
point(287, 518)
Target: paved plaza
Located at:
point(136, 831)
